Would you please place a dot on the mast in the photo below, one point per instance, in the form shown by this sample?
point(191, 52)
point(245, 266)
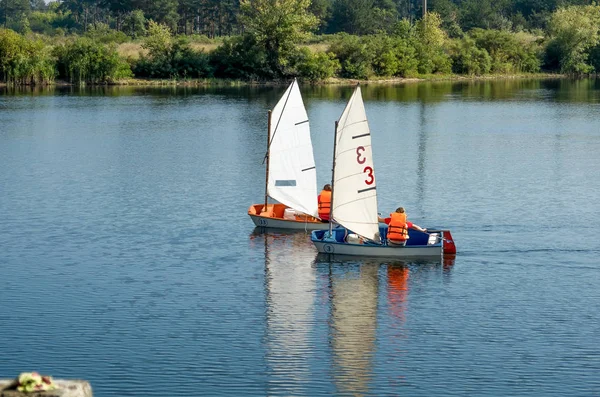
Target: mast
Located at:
point(332, 179)
point(267, 173)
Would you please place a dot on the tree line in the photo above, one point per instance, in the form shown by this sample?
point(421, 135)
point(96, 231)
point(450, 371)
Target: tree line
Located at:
point(77, 40)
point(215, 18)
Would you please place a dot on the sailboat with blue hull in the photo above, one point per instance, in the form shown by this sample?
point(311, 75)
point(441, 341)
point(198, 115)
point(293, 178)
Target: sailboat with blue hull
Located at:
point(354, 199)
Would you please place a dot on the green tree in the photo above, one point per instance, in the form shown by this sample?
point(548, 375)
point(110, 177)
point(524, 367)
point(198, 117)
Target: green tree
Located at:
point(24, 61)
point(362, 16)
point(13, 10)
point(170, 57)
point(277, 26)
point(575, 30)
point(317, 66)
point(86, 61)
point(449, 14)
point(322, 10)
point(469, 59)
point(134, 24)
point(241, 57)
point(486, 14)
point(430, 40)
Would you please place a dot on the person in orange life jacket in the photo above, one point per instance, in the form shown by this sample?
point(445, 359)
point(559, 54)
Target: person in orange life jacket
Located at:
point(398, 227)
point(324, 200)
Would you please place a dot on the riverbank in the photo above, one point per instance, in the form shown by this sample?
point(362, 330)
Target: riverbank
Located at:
point(331, 81)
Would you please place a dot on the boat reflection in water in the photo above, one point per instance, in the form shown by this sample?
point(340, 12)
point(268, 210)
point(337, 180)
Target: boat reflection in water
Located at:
point(361, 292)
point(290, 304)
point(330, 320)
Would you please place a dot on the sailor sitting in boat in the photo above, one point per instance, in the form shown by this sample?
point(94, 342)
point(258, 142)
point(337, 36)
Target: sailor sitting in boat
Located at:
point(324, 200)
point(397, 234)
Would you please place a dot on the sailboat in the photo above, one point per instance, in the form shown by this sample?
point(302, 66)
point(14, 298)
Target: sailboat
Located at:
point(354, 198)
point(291, 177)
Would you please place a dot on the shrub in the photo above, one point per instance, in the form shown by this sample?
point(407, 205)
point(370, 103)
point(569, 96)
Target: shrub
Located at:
point(240, 57)
point(170, 57)
point(393, 56)
point(469, 59)
point(509, 53)
point(86, 61)
point(315, 66)
point(354, 55)
point(24, 61)
point(101, 33)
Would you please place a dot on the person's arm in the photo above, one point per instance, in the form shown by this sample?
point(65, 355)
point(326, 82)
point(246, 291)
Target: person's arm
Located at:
point(417, 227)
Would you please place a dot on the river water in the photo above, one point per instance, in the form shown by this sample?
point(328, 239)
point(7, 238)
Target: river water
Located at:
point(127, 257)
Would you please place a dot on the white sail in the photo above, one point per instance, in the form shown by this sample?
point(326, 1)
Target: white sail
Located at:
point(292, 173)
point(354, 186)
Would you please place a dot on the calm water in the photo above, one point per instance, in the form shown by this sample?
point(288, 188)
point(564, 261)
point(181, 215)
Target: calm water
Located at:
point(127, 257)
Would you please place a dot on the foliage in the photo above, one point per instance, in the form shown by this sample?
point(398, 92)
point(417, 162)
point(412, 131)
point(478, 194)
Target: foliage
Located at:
point(429, 39)
point(393, 56)
point(362, 16)
point(317, 66)
point(170, 57)
point(102, 33)
point(575, 30)
point(86, 61)
point(134, 24)
point(241, 57)
point(24, 61)
point(469, 59)
point(354, 55)
point(277, 26)
point(508, 53)
point(471, 37)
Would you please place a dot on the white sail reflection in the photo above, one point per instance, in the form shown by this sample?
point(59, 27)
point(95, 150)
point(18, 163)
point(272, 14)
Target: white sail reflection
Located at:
point(290, 295)
point(354, 291)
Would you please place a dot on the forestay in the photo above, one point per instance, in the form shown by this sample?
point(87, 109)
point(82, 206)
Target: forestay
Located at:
point(292, 174)
point(354, 187)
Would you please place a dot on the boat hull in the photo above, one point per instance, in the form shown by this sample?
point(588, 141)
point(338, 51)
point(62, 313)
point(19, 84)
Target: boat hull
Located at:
point(423, 245)
point(273, 218)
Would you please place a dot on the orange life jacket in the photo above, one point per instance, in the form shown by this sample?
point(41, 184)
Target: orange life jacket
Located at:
point(397, 230)
point(324, 204)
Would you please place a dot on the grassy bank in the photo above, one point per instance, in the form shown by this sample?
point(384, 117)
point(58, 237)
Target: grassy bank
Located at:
point(214, 82)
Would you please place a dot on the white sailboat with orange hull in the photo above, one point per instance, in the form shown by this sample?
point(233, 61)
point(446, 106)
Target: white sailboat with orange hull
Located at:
point(354, 199)
point(291, 177)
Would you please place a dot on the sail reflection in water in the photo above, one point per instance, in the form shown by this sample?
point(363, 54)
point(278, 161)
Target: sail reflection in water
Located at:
point(290, 295)
point(354, 291)
point(368, 312)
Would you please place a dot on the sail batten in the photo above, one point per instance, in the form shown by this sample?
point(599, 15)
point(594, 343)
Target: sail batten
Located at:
point(354, 204)
point(292, 178)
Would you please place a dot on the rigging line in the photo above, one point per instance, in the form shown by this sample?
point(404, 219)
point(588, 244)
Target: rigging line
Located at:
point(353, 150)
point(351, 124)
point(359, 223)
point(353, 201)
point(280, 116)
point(348, 103)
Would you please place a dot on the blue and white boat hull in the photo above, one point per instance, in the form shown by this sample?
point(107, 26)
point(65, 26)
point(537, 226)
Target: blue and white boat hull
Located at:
point(419, 245)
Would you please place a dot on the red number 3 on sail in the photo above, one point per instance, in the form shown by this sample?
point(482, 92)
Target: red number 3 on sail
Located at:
point(371, 177)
